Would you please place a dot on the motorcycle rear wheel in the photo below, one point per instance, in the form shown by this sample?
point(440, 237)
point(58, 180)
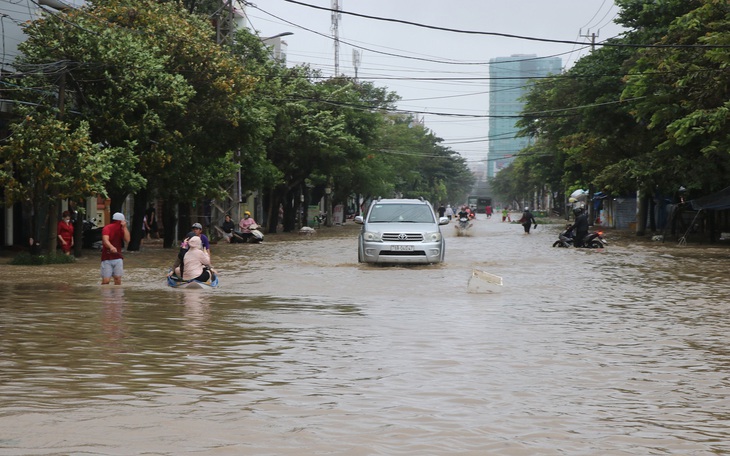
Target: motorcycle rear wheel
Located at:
point(596, 245)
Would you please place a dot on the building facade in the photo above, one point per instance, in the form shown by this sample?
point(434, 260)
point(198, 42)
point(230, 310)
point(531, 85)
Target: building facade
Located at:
point(509, 81)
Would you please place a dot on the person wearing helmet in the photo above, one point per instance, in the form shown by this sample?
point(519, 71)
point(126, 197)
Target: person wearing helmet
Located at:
point(528, 220)
point(178, 266)
point(197, 230)
point(580, 226)
point(247, 224)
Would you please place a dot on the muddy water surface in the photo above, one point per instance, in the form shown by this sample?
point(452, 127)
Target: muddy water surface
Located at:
point(304, 351)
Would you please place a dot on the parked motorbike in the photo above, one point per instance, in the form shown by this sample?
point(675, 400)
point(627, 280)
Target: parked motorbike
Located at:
point(91, 238)
point(593, 240)
point(320, 219)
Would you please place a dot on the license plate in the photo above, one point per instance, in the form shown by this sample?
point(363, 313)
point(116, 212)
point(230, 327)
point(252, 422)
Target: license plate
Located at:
point(402, 248)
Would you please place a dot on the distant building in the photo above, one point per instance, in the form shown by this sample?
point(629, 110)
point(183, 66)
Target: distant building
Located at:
point(509, 81)
point(15, 13)
point(277, 47)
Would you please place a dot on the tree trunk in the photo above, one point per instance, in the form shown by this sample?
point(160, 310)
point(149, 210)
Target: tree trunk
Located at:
point(34, 244)
point(641, 214)
point(652, 214)
point(52, 224)
point(137, 222)
point(183, 222)
point(78, 231)
point(117, 200)
point(305, 209)
point(290, 212)
point(273, 212)
point(169, 221)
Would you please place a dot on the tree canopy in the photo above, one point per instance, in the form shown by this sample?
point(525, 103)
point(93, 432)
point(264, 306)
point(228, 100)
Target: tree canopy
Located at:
point(152, 104)
point(648, 111)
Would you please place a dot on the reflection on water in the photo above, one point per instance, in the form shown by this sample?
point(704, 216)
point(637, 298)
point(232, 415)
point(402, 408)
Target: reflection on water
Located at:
point(303, 351)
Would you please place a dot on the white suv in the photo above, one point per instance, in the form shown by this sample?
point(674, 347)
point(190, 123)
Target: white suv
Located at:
point(400, 231)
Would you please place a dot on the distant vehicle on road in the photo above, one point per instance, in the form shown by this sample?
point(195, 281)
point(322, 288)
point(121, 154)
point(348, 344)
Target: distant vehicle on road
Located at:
point(479, 204)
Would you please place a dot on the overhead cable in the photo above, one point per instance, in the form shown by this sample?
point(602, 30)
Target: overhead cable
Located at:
point(605, 43)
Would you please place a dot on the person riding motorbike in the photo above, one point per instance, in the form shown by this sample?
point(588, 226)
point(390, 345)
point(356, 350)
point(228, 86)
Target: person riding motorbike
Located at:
point(463, 220)
point(580, 226)
point(196, 262)
point(463, 213)
point(247, 224)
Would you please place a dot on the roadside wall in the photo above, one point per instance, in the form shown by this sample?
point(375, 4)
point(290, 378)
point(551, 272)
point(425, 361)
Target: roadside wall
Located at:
point(619, 213)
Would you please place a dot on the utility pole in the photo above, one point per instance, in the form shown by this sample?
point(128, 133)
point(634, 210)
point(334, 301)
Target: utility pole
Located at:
point(590, 35)
point(336, 15)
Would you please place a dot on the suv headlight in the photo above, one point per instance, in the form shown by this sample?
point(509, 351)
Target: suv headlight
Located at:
point(433, 237)
point(372, 236)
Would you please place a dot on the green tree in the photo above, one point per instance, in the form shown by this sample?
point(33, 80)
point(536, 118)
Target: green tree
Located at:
point(150, 76)
point(45, 160)
point(684, 93)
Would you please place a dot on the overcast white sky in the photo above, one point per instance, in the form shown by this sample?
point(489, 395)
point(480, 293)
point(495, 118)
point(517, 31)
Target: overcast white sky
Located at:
point(312, 43)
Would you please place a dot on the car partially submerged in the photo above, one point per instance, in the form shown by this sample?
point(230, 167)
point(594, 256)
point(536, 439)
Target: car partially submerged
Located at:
point(401, 231)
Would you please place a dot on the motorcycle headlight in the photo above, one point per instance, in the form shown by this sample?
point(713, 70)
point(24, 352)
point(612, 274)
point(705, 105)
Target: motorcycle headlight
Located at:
point(372, 236)
point(433, 237)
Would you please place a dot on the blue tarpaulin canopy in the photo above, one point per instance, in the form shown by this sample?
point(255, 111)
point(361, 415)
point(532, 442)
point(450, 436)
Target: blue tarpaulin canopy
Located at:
point(718, 201)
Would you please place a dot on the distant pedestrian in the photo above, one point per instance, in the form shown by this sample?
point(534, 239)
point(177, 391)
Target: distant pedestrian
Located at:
point(112, 237)
point(449, 211)
point(442, 210)
point(66, 232)
point(151, 228)
point(228, 226)
point(528, 220)
point(505, 215)
point(488, 210)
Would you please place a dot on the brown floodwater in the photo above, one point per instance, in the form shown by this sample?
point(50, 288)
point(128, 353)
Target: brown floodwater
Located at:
point(301, 350)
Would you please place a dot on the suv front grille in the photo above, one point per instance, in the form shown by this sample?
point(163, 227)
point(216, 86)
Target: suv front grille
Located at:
point(403, 237)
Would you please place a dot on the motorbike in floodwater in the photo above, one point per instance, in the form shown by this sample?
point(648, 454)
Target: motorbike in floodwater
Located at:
point(462, 226)
point(91, 238)
point(254, 236)
point(593, 240)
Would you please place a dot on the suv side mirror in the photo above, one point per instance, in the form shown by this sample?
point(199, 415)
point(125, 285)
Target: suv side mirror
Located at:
point(444, 221)
point(359, 219)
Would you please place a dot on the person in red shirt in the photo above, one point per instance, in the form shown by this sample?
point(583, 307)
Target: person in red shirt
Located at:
point(112, 236)
point(66, 233)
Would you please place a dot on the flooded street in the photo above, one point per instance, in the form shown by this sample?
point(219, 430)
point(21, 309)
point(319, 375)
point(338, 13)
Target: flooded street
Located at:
point(303, 351)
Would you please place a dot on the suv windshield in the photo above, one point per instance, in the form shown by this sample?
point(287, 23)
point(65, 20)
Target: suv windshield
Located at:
point(400, 213)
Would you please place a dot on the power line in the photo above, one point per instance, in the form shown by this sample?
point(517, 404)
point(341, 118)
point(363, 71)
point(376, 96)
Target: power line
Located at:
point(509, 35)
point(422, 59)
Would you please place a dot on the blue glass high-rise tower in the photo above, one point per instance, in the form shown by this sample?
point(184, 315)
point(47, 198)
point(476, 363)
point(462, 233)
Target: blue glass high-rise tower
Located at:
point(509, 81)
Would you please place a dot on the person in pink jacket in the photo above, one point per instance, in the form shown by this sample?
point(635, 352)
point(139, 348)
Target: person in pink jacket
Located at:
point(196, 263)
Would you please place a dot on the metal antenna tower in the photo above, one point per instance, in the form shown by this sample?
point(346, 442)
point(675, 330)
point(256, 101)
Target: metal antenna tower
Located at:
point(224, 22)
point(336, 15)
point(356, 61)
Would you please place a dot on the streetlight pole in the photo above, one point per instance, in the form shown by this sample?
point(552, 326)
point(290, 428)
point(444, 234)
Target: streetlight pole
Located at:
point(278, 35)
point(275, 45)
